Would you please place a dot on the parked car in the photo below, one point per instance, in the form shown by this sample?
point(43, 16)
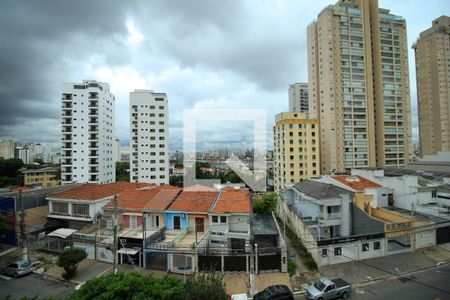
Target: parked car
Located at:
point(273, 292)
point(18, 268)
point(324, 289)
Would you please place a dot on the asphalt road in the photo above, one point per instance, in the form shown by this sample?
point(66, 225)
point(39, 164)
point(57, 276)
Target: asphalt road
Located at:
point(33, 285)
point(434, 284)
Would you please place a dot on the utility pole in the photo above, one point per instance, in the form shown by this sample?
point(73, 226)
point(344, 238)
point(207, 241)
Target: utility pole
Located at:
point(23, 236)
point(115, 246)
point(252, 253)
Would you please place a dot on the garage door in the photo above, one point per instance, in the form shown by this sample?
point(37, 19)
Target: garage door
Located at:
point(425, 239)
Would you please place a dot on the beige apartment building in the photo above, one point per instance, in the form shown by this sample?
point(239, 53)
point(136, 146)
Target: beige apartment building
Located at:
point(359, 86)
point(432, 51)
point(296, 149)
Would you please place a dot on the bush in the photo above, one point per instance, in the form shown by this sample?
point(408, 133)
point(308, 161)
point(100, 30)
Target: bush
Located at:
point(292, 267)
point(69, 260)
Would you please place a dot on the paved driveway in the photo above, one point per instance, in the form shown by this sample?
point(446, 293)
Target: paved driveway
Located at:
point(31, 285)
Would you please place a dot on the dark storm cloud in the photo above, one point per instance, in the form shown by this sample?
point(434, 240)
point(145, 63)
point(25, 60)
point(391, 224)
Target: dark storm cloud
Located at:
point(38, 39)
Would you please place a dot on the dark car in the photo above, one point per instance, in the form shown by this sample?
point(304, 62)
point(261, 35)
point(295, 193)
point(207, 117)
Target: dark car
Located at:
point(273, 292)
point(17, 268)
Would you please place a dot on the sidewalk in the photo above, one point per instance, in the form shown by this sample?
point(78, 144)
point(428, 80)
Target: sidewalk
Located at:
point(381, 267)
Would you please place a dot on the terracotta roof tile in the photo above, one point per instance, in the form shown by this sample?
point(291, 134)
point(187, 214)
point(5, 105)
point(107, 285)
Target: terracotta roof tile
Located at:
point(356, 183)
point(192, 201)
point(237, 201)
point(94, 191)
point(153, 198)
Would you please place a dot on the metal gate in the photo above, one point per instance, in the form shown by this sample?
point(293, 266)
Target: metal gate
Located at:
point(443, 235)
point(157, 261)
point(209, 263)
point(235, 264)
point(270, 262)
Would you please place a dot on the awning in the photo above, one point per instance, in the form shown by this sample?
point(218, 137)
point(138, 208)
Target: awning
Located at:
point(62, 233)
point(128, 251)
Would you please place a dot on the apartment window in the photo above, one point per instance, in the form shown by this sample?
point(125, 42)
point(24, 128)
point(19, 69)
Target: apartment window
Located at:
point(337, 251)
point(365, 247)
point(81, 210)
point(376, 245)
point(60, 208)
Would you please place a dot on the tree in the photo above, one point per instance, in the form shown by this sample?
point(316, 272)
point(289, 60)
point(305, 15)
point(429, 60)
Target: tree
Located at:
point(69, 260)
point(206, 286)
point(9, 170)
point(122, 171)
point(176, 180)
point(266, 205)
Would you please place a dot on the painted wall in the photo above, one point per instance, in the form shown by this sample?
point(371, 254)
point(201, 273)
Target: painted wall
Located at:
point(168, 219)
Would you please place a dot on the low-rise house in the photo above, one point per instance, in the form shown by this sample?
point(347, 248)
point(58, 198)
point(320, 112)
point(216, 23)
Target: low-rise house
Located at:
point(80, 206)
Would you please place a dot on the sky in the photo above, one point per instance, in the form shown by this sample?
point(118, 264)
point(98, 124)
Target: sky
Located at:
point(202, 54)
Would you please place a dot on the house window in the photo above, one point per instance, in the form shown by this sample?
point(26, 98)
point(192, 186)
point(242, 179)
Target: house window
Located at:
point(133, 222)
point(156, 221)
point(80, 210)
point(215, 219)
point(337, 251)
point(376, 245)
point(60, 208)
point(324, 252)
point(223, 219)
point(365, 247)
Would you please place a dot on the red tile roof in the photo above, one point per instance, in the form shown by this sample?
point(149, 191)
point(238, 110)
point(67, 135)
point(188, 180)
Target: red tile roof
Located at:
point(153, 198)
point(356, 183)
point(194, 201)
point(21, 188)
point(94, 191)
point(233, 201)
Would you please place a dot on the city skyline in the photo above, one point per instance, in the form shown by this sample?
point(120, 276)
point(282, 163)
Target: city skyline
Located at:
point(189, 57)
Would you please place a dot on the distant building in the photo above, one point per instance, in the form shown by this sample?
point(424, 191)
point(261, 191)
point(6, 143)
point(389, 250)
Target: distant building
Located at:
point(432, 163)
point(87, 133)
point(45, 177)
point(7, 149)
point(149, 145)
point(433, 94)
point(22, 153)
point(298, 97)
point(296, 149)
point(117, 155)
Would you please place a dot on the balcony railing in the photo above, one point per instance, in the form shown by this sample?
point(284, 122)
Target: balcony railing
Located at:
point(330, 216)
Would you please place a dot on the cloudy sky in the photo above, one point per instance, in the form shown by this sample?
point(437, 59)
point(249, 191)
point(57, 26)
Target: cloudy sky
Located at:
point(203, 54)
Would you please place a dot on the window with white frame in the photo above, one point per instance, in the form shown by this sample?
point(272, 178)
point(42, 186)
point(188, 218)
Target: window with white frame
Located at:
point(59, 208)
point(133, 222)
point(80, 210)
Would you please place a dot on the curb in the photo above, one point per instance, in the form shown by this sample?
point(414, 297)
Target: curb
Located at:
point(362, 283)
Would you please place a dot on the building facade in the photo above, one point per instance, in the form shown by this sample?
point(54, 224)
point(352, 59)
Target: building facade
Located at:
point(87, 133)
point(298, 97)
point(45, 177)
point(7, 149)
point(296, 149)
point(23, 153)
point(359, 86)
point(432, 52)
point(149, 131)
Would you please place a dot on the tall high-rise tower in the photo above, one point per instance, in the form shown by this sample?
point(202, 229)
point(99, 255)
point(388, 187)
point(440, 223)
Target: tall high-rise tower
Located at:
point(149, 153)
point(432, 51)
point(298, 97)
point(359, 86)
point(87, 133)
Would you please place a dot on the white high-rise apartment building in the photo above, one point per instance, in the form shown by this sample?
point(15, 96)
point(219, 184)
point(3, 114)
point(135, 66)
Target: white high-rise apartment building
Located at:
point(87, 153)
point(298, 97)
point(149, 156)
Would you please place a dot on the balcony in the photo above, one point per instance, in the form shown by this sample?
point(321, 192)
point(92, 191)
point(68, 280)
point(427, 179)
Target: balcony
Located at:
point(93, 120)
point(93, 128)
point(93, 112)
point(93, 161)
point(93, 104)
point(93, 178)
point(67, 113)
point(66, 130)
point(66, 162)
point(93, 137)
point(67, 178)
point(330, 216)
point(67, 122)
point(67, 97)
point(93, 153)
point(93, 96)
point(93, 145)
point(67, 146)
point(93, 170)
point(67, 106)
point(67, 170)
point(67, 138)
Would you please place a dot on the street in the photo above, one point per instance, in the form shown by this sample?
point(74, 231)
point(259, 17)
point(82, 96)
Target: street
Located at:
point(399, 288)
point(33, 285)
